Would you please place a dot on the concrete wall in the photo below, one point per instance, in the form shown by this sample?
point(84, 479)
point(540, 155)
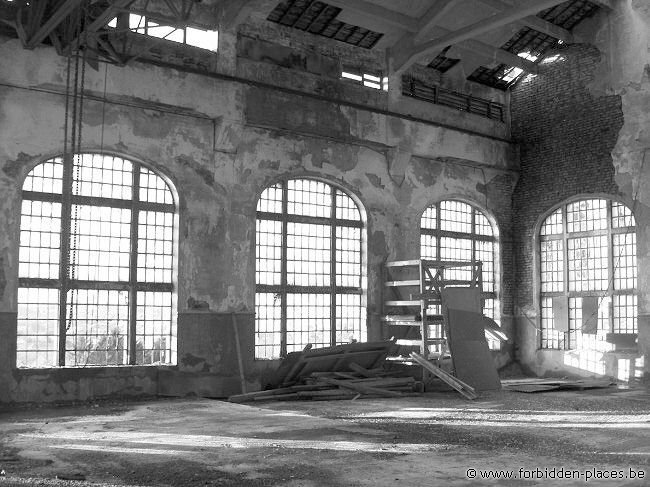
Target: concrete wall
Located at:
point(221, 132)
point(583, 129)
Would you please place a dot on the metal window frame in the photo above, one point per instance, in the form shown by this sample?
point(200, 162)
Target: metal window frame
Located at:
point(65, 283)
point(284, 289)
point(609, 231)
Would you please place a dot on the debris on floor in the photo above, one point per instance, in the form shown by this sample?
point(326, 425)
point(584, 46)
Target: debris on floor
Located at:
point(532, 385)
point(346, 371)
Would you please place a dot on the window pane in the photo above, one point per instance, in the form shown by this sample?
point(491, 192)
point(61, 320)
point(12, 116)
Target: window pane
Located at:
point(309, 198)
point(155, 246)
point(308, 254)
point(428, 219)
point(485, 254)
point(153, 188)
point(350, 319)
point(38, 327)
point(622, 216)
point(271, 199)
point(552, 265)
point(624, 254)
point(308, 321)
point(586, 215)
point(553, 223)
point(40, 228)
point(100, 243)
point(268, 335)
point(456, 216)
point(551, 338)
point(46, 177)
point(348, 257)
point(482, 224)
point(102, 176)
point(268, 252)
point(458, 249)
point(346, 208)
point(97, 331)
point(428, 247)
point(625, 312)
point(588, 263)
point(155, 329)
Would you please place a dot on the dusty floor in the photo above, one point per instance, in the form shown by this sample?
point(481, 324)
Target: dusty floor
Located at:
point(435, 439)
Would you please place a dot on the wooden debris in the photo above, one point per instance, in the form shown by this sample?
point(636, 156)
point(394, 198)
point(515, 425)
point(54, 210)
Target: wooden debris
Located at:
point(534, 384)
point(341, 372)
point(465, 389)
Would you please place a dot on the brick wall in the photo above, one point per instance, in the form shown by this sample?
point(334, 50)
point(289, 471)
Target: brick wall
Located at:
point(566, 136)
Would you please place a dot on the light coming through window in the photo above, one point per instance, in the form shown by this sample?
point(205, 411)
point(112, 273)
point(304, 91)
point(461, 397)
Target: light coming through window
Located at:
point(96, 265)
point(309, 268)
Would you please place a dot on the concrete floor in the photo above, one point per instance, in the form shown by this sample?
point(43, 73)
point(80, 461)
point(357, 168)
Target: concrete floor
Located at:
point(434, 439)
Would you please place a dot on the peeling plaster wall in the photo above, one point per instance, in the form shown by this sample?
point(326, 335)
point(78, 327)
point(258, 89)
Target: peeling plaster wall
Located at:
point(221, 141)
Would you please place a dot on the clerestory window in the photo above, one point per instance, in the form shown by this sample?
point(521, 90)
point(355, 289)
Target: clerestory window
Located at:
point(96, 265)
point(309, 268)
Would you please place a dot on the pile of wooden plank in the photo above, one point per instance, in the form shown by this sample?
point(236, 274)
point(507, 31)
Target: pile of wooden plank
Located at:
point(356, 383)
point(533, 384)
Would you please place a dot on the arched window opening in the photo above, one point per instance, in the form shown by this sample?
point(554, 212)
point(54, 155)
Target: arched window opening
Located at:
point(588, 275)
point(453, 230)
point(96, 265)
point(309, 268)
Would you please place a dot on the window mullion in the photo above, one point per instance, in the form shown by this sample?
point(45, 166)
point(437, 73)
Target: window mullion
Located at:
point(565, 271)
point(333, 269)
point(133, 264)
point(283, 271)
point(610, 266)
point(64, 268)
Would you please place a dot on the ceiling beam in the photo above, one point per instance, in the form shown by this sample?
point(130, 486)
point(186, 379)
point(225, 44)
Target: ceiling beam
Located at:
point(52, 22)
point(431, 18)
point(532, 21)
point(101, 21)
point(403, 59)
point(386, 16)
point(499, 56)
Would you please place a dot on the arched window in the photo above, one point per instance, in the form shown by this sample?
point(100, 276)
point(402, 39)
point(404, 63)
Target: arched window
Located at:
point(309, 268)
point(587, 274)
point(96, 265)
point(456, 231)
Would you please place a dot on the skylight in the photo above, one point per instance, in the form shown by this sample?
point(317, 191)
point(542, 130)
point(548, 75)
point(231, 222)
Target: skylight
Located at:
point(512, 74)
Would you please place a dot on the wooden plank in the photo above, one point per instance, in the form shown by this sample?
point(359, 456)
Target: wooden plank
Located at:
point(363, 389)
point(402, 302)
point(465, 389)
point(361, 370)
point(405, 283)
point(402, 263)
